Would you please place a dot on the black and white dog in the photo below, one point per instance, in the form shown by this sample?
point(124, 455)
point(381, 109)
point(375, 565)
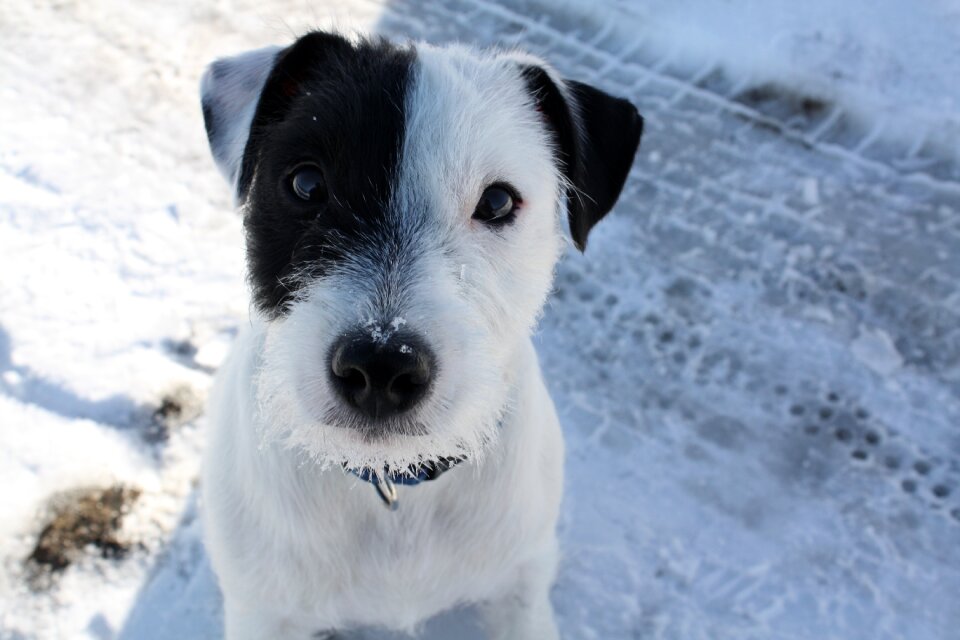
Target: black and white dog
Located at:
point(404, 208)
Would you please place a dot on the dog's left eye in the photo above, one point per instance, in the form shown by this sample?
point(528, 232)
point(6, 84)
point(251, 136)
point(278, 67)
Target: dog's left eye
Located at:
point(306, 182)
point(497, 205)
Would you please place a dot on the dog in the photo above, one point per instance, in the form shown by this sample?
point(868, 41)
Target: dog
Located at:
point(382, 446)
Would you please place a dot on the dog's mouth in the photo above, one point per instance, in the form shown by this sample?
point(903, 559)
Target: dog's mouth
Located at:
point(404, 448)
point(373, 432)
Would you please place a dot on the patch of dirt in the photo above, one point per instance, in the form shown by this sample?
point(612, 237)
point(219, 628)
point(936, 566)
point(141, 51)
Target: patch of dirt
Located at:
point(180, 405)
point(80, 521)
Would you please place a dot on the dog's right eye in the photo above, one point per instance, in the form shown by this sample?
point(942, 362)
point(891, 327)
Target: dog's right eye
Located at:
point(497, 205)
point(306, 182)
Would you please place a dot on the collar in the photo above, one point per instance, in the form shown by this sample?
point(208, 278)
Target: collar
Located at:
point(386, 482)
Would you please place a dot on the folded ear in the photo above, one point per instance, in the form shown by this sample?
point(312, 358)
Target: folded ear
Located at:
point(229, 92)
point(596, 137)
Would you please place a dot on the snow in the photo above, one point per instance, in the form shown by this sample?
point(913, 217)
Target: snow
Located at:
point(893, 62)
point(811, 192)
point(757, 362)
point(877, 350)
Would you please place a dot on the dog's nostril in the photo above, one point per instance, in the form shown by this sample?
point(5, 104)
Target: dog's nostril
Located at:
point(406, 385)
point(381, 379)
point(353, 379)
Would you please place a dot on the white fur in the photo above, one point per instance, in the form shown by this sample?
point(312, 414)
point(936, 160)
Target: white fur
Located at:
point(300, 546)
point(233, 95)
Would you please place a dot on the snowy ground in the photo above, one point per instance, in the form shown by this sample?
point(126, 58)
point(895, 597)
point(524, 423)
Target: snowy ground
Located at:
point(757, 364)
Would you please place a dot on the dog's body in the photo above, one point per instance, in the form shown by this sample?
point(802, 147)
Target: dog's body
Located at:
point(403, 209)
point(317, 549)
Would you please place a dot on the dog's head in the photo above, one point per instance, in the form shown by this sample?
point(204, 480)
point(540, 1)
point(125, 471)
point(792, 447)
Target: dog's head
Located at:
point(404, 208)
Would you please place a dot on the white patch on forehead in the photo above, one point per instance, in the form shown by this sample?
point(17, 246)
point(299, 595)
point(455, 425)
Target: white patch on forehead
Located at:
point(469, 122)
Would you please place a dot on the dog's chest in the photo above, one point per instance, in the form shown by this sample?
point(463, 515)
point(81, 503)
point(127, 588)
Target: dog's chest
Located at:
point(450, 542)
point(446, 541)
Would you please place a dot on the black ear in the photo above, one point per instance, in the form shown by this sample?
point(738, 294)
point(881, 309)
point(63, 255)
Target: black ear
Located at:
point(312, 56)
point(596, 136)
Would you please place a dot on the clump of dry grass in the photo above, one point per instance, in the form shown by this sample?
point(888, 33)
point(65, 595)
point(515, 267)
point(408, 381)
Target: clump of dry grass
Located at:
point(80, 521)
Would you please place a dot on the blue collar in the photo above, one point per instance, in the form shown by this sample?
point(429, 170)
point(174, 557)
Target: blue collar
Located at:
point(414, 474)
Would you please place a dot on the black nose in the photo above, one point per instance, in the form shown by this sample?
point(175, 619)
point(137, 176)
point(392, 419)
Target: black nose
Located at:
point(381, 378)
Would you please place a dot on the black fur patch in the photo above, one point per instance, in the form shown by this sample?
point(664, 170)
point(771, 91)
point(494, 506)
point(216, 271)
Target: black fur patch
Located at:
point(208, 121)
point(340, 106)
point(595, 147)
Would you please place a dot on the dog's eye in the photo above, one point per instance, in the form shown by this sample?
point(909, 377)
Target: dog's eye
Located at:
point(497, 205)
point(306, 182)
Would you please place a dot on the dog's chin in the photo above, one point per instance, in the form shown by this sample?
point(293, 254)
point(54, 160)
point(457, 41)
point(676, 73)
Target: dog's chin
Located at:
point(335, 437)
point(333, 445)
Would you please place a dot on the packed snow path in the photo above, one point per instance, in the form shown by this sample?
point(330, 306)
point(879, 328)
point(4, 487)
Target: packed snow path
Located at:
point(756, 363)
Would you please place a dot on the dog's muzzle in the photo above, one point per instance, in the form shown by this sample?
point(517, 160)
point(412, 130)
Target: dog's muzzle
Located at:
point(379, 376)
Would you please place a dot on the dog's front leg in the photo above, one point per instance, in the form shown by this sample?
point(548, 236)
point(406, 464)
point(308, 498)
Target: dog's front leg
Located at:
point(243, 623)
point(524, 612)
